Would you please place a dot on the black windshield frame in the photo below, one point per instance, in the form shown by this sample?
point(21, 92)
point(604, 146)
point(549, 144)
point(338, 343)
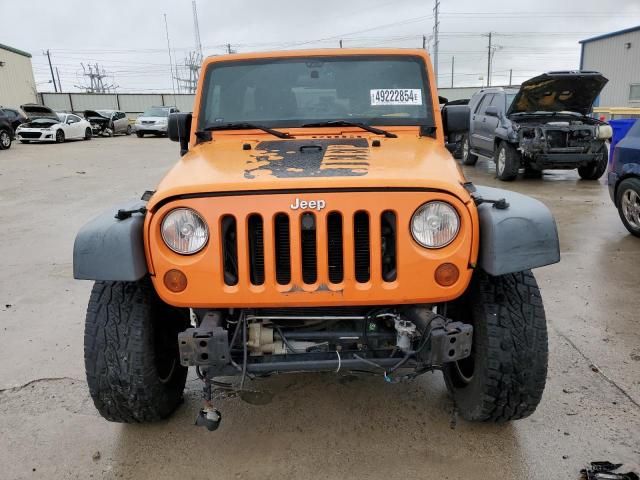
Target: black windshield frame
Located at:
point(427, 121)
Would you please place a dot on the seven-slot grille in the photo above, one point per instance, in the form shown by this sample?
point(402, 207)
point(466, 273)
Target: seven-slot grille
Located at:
point(320, 247)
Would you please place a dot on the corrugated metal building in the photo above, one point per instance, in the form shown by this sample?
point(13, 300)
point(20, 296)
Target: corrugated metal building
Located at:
point(617, 56)
point(17, 83)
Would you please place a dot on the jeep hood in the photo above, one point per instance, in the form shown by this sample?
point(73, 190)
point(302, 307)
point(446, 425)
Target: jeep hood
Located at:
point(33, 111)
point(559, 92)
point(223, 165)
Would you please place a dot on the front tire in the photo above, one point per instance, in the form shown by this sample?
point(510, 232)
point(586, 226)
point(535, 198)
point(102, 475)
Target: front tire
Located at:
point(507, 160)
point(468, 158)
point(505, 375)
point(595, 170)
point(5, 139)
point(628, 201)
point(139, 134)
point(128, 132)
point(131, 352)
point(88, 134)
point(59, 136)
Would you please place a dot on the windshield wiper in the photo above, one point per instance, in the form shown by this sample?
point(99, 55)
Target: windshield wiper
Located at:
point(246, 126)
point(345, 123)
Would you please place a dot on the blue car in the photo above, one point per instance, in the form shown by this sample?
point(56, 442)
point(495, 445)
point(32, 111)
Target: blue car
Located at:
point(624, 179)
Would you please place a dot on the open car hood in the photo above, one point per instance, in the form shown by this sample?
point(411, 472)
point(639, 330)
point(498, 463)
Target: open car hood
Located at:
point(94, 116)
point(33, 111)
point(566, 91)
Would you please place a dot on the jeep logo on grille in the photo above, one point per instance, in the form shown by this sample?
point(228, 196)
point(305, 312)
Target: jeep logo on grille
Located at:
point(308, 205)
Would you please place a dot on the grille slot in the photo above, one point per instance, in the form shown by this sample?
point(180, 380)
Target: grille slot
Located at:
point(282, 249)
point(30, 134)
point(362, 249)
point(229, 249)
point(388, 232)
point(256, 249)
point(335, 247)
point(308, 248)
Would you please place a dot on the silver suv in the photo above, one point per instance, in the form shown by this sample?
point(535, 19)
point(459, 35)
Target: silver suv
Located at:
point(154, 121)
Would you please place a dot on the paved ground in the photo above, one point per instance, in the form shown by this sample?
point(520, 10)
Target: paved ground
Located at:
point(318, 426)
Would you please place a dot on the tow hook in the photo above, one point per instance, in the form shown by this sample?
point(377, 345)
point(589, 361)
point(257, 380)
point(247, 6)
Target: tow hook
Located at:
point(208, 417)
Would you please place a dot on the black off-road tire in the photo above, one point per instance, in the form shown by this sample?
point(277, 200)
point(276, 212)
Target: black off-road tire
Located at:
point(507, 167)
point(628, 202)
point(5, 139)
point(505, 375)
point(131, 352)
point(467, 157)
point(139, 134)
point(595, 170)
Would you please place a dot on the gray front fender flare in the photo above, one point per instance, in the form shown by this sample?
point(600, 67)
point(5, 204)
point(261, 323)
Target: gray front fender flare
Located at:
point(521, 237)
point(110, 249)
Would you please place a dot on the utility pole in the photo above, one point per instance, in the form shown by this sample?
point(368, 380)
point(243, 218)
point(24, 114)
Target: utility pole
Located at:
point(340, 43)
point(436, 41)
point(453, 62)
point(55, 86)
point(59, 83)
point(173, 85)
point(424, 42)
point(228, 48)
point(489, 62)
point(510, 75)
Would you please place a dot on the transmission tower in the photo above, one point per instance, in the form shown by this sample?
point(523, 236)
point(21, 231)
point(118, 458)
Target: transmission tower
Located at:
point(96, 76)
point(192, 64)
point(196, 30)
point(193, 61)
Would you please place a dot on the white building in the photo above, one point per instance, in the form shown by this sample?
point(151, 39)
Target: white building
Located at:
point(17, 83)
point(617, 56)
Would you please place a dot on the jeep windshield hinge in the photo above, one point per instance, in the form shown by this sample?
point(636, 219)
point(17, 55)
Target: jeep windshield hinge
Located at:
point(500, 204)
point(124, 214)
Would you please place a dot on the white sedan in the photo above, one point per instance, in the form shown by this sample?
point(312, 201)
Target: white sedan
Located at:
point(68, 126)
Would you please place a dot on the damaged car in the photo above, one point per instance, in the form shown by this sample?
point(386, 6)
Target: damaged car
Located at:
point(545, 125)
point(53, 127)
point(108, 122)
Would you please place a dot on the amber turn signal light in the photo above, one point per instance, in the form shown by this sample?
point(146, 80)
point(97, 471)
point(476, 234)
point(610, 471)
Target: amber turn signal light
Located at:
point(175, 280)
point(447, 274)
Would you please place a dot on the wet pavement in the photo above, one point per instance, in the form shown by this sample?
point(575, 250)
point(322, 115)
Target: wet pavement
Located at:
point(316, 426)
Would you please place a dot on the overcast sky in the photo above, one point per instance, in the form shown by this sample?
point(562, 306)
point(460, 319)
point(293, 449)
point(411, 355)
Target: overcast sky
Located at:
point(127, 37)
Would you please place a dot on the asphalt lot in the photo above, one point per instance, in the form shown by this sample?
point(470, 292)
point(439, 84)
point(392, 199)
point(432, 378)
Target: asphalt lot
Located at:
point(316, 426)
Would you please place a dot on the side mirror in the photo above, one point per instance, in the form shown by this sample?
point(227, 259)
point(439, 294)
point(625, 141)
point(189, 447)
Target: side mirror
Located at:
point(179, 130)
point(491, 111)
point(455, 119)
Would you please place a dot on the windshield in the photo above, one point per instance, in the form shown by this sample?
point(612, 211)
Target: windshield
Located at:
point(379, 90)
point(156, 112)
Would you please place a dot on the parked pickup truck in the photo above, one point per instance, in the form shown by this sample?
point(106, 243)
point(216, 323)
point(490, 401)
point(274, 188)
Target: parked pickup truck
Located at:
point(543, 125)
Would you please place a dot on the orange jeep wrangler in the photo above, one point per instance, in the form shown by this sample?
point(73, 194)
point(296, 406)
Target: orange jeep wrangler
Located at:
point(316, 222)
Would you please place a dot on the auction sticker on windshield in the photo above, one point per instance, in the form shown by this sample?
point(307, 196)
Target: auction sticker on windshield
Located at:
point(396, 96)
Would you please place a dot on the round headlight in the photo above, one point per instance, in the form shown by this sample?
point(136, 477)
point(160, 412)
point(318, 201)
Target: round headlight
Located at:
point(184, 231)
point(435, 224)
